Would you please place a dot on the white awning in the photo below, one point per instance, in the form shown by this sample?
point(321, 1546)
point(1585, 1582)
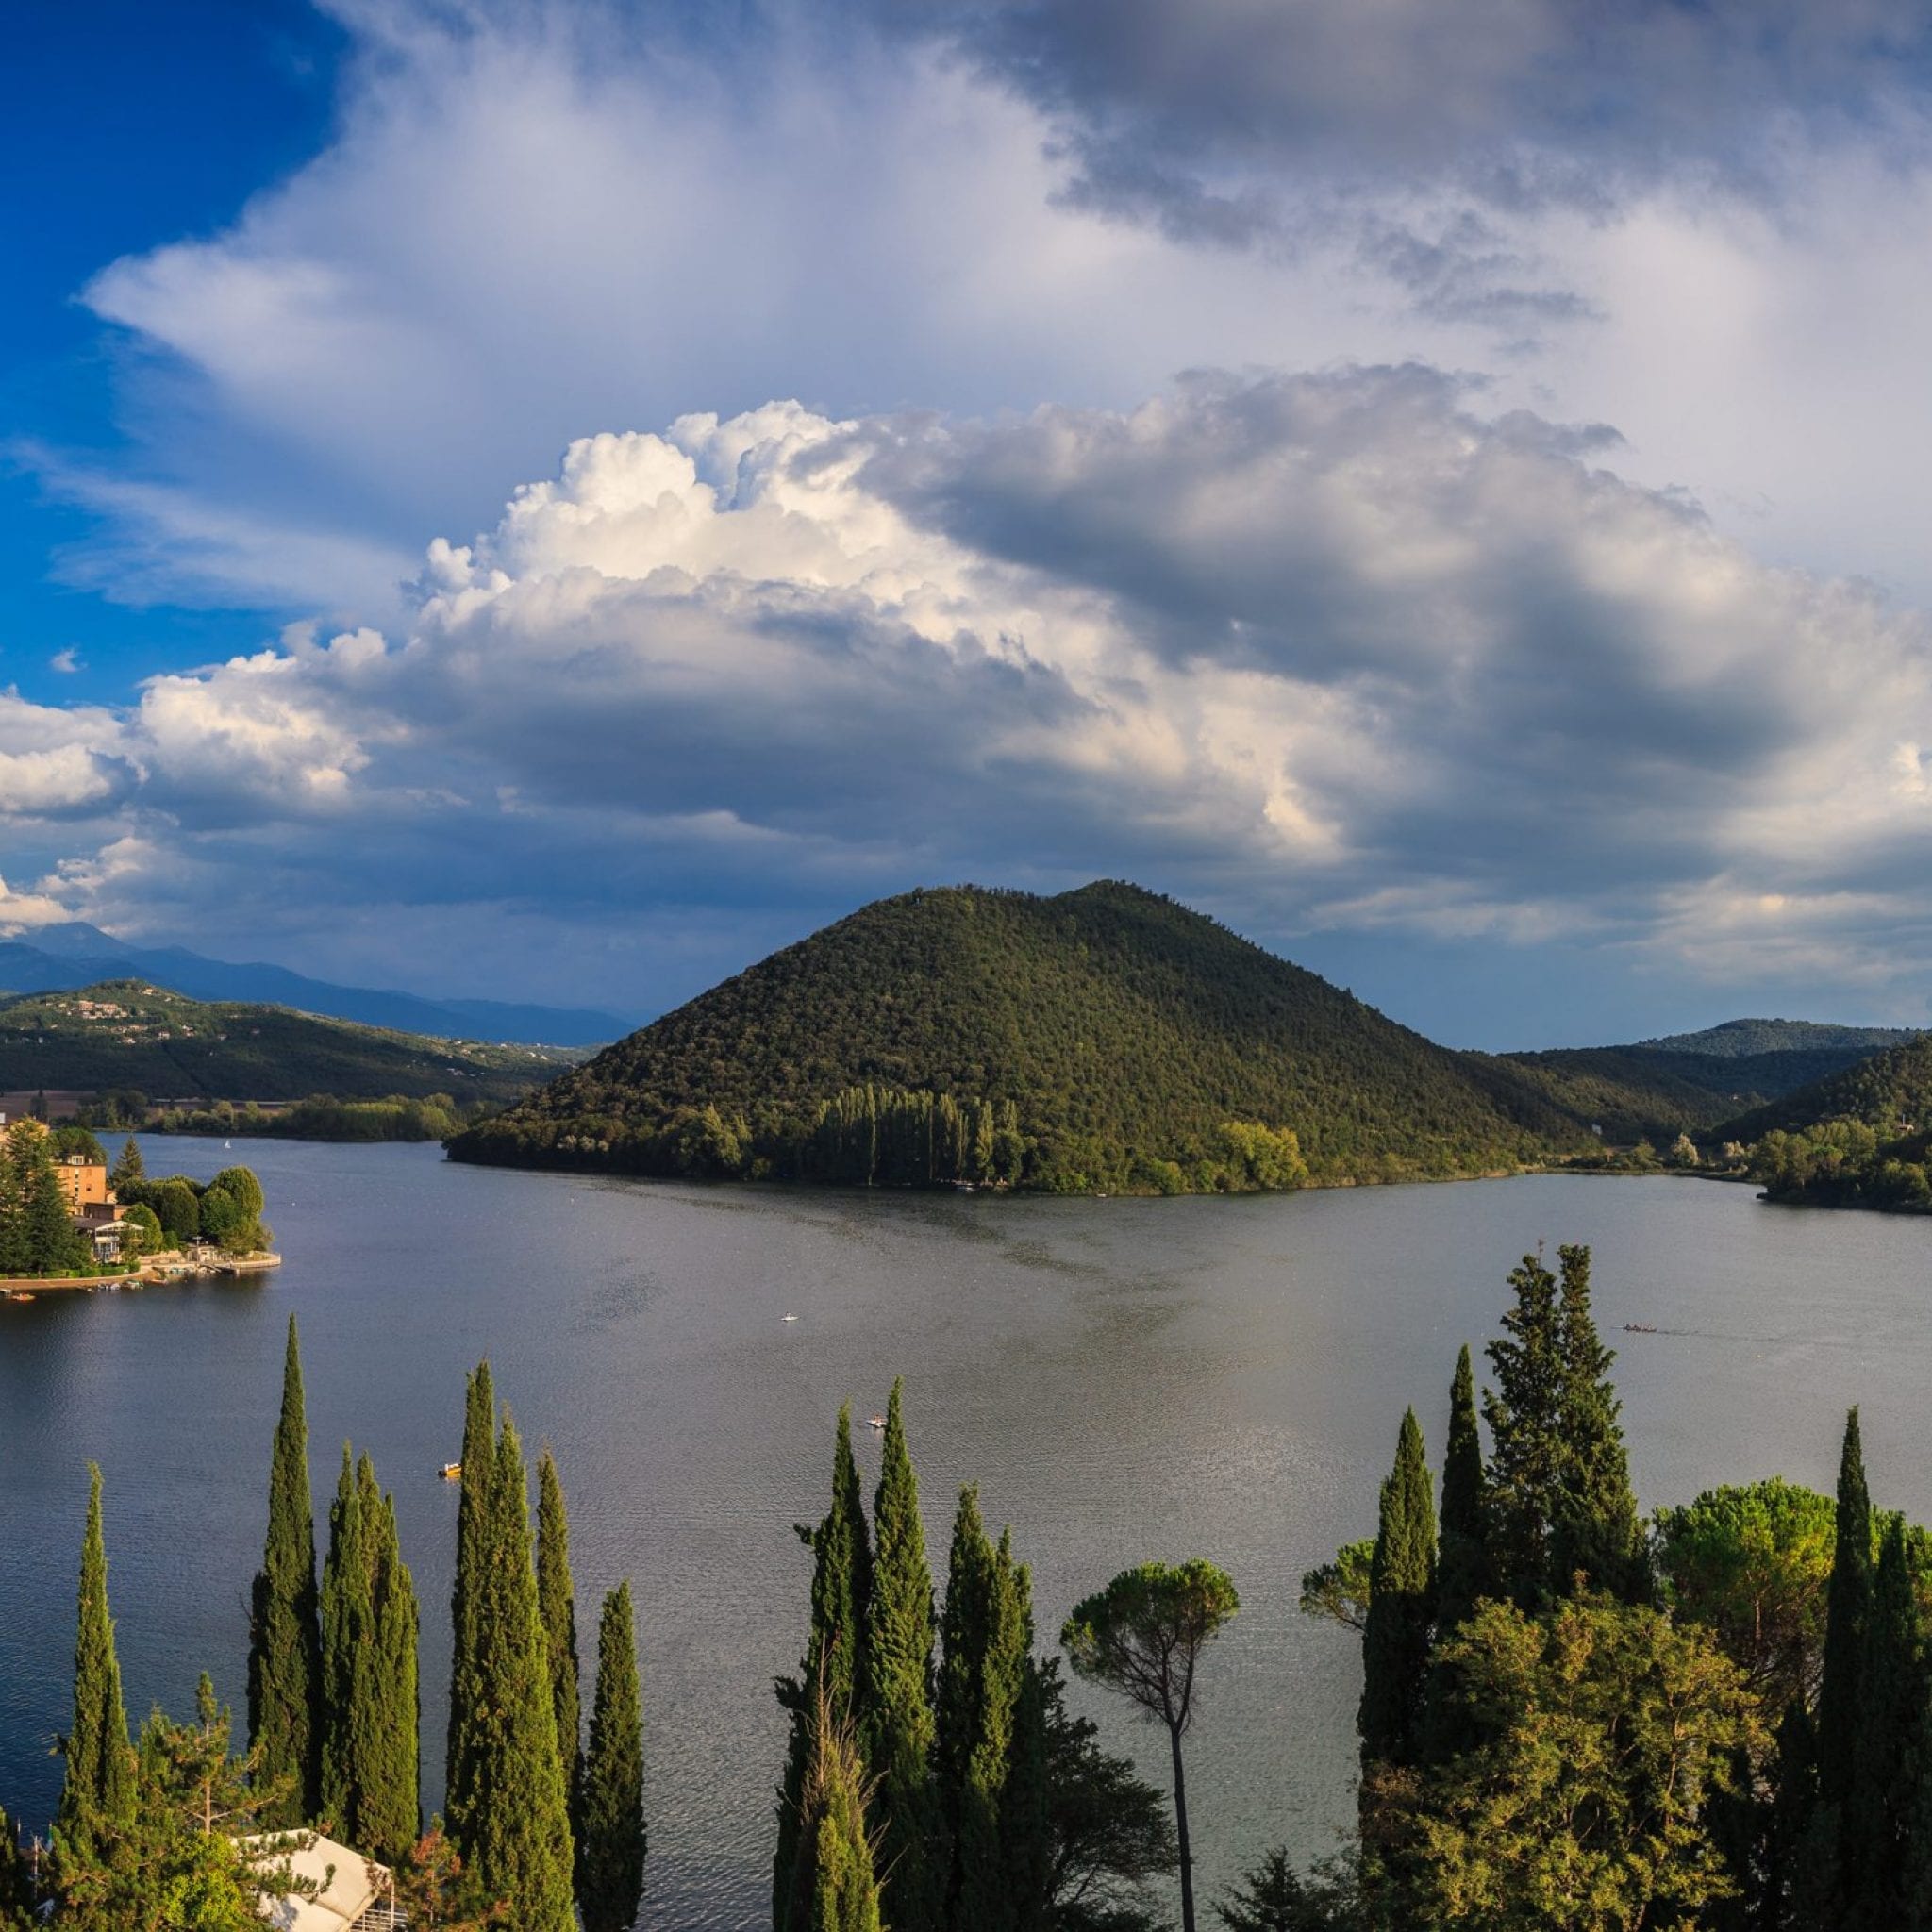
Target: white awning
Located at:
point(350, 1884)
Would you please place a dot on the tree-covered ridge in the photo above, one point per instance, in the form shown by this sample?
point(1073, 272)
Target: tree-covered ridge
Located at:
point(130, 1034)
point(1125, 1033)
point(1753, 1039)
point(1890, 1092)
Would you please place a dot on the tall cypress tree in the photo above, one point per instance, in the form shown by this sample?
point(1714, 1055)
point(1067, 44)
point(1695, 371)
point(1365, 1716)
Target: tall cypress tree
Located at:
point(556, 1604)
point(611, 1848)
point(833, 1665)
point(370, 1744)
point(1462, 1566)
point(838, 1881)
point(1888, 1759)
point(516, 1836)
point(1395, 1639)
point(988, 1637)
point(1596, 1529)
point(1027, 1843)
point(391, 1805)
point(466, 1708)
point(1848, 1600)
point(284, 1636)
point(98, 1791)
point(348, 1615)
point(1526, 1414)
point(15, 1891)
point(898, 1689)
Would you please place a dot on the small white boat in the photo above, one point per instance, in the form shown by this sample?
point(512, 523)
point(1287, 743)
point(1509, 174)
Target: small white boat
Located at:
point(874, 1422)
point(792, 1318)
point(228, 1147)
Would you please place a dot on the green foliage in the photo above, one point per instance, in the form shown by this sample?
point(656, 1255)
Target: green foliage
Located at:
point(187, 1853)
point(1890, 1752)
point(833, 1666)
point(516, 1830)
point(285, 1638)
point(97, 1793)
point(610, 1850)
point(467, 1709)
point(37, 1234)
point(369, 1712)
point(1847, 1608)
point(126, 1033)
point(899, 1726)
point(556, 1606)
point(838, 1877)
point(329, 1117)
point(1274, 1896)
point(1340, 1590)
point(1142, 1637)
point(1126, 1041)
point(1752, 1564)
point(147, 1237)
point(1594, 1532)
point(1463, 1564)
point(1584, 1806)
point(1401, 1610)
point(128, 1168)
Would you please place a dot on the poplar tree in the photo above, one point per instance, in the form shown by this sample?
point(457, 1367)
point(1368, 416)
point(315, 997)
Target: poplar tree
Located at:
point(1395, 1640)
point(1889, 1758)
point(1595, 1528)
point(370, 1744)
point(516, 1836)
point(99, 1790)
point(833, 1666)
point(465, 1670)
point(285, 1646)
point(1524, 1414)
point(1462, 1567)
point(612, 1842)
point(556, 1604)
point(898, 1688)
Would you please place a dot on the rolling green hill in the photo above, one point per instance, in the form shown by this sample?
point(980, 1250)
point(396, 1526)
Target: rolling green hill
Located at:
point(132, 1034)
point(1889, 1091)
point(1749, 1040)
point(1107, 1038)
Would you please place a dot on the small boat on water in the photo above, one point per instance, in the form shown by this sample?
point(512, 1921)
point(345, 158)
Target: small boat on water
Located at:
point(792, 1318)
point(874, 1422)
point(1639, 1328)
point(451, 1472)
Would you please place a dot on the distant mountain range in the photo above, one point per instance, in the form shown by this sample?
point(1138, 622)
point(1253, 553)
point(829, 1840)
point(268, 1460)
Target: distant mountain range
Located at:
point(66, 958)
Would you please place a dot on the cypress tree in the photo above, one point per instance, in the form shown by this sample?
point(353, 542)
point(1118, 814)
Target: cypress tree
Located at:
point(1889, 1758)
point(347, 1617)
point(284, 1636)
point(1395, 1639)
point(833, 1665)
point(838, 1884)
point(1462, 1567)
point(1596, 1529)
point(98, 1790)
point(1525, 1415)
point(556, 1602)
point(611, 1848)
point(898, 1687)
point(392, 1805)
point(517, 1837)
point(369, 1743)
point(466, 1710)
point(15, 1891)
point(988, 1637)
point(1848, 1600)
point(1026, 1820)
point(1795, 1802)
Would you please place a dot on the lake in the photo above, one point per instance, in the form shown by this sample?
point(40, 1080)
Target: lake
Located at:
point(1125, 1379)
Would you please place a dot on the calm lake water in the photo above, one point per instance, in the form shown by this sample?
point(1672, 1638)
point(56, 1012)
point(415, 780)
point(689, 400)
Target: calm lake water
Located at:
point(1125, 1379)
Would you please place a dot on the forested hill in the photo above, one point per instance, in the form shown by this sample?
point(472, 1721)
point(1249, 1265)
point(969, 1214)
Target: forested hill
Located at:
point(130, 1034)
point(1697, 1082)
point(1890, 1092)
point(1106, 1038)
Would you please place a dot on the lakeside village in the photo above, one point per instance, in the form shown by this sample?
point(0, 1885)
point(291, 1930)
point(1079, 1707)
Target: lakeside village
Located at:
point(67, 1221)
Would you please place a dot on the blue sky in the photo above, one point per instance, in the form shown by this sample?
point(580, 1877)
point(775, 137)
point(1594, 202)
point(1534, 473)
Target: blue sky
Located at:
point(551, 500)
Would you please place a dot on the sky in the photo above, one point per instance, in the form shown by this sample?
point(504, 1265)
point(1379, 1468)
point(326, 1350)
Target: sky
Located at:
point(551, 501)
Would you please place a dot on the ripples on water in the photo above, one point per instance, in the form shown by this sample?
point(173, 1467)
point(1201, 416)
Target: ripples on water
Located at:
point(1125, 1378)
